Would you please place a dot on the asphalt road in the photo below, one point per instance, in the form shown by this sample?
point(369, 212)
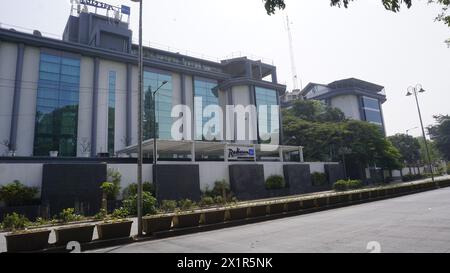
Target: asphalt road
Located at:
point(413, 223)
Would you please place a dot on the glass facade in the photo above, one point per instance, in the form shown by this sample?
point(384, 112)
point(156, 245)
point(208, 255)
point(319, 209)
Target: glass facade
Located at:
point(111, 110)
point(204, 89)
point(57, 105)
point(152, 80)
point(372, 111)
point(268, 122)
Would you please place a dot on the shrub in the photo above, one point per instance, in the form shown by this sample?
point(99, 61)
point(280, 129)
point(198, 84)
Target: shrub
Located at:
point(168, 205)
point(186, 204)
point(102, 214)
point(15, 221)
point(319, 179)
point(340, 185)
point(412, 177)
point(354, 184)
point(219, 199)
point(148, 204)
point(114, 177)
point(108, 189)
point(275, 182)
point(206, 201)
point(344, 185)
point(132, 189)
point(222, 188)
point(120, 213)
point(17, 194)
point(448, 168)
point(68, 215)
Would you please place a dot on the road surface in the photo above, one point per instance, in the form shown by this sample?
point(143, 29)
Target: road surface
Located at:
point(413, 223)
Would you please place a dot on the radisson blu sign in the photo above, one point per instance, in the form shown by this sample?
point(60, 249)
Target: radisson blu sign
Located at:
point(97, 4)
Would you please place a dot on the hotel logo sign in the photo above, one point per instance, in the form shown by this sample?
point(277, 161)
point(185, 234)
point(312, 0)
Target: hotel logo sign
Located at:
point(241, 153)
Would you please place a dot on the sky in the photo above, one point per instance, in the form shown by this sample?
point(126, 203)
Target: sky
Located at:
point(395, 50)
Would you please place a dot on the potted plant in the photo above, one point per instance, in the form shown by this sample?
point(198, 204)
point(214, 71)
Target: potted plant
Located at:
point(79, 233)
point(21, 240)
point(186, 216)
point(27, 240)
point(157, 223)
point(115, 226)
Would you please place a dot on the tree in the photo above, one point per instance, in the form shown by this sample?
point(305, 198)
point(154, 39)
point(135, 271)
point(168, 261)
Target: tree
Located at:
point(392, 5)
point(408, 146)
point(324, 132)
point(315, 111)
point(440, 134)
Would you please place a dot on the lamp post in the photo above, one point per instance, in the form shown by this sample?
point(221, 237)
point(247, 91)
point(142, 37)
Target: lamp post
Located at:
point(414, 91)
point(155, 154)
point(140, 135)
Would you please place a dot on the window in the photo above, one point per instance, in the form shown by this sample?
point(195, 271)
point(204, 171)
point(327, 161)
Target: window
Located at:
point(111, 110)
point(370, 103)
point(372, 112)
point(57, 105)
point(204, 89)
point(268, 118)
point(153, 80)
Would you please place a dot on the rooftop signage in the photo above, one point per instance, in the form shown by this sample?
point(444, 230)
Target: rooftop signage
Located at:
point(101, 5)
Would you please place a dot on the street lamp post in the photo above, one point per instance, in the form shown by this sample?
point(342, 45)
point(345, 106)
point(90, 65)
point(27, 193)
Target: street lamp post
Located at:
point(414, 91)
point(140, 113)
point(155, 154)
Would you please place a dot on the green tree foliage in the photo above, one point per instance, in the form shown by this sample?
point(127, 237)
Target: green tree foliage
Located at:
point(440, 134)
point(408, 147)
point(432, 148)
point(392, 5)
point(323, 132)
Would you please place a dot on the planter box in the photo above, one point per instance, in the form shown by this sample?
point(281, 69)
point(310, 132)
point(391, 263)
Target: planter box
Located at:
point(308, 204)
point(214, 217)
point(188, 220)
point(293, 206)
point(277, 208)
point(333, 200)
point(258, 211)
point(322, 201)
point(344, 198)
point(238, 213)
point(355, 196)
point(365, 195)
point(382, 192)
point(156, 224)
point(374, 194)
point(108, 231)
point(27, 241)
point(81, 234)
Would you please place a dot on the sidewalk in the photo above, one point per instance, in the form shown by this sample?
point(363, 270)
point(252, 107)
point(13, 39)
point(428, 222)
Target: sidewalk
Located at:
point(134, 226)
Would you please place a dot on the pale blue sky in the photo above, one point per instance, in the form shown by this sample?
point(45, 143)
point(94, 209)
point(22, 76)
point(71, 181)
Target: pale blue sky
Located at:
point(365, 41)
